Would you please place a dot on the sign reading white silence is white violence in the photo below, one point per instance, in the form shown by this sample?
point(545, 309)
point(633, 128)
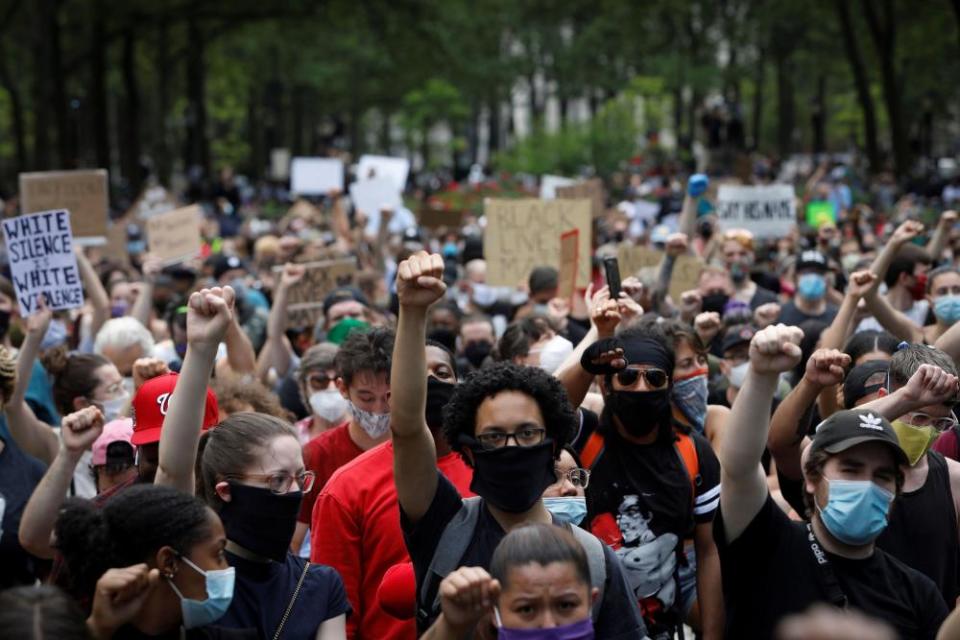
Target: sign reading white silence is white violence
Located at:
point(766, 211)
point(42, 262)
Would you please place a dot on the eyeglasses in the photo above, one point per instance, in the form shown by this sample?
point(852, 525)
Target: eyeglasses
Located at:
point(940, 424)
point(577, 477)
point(523, 437)
point(280, 483)
point(655, 378)
point(320, 380)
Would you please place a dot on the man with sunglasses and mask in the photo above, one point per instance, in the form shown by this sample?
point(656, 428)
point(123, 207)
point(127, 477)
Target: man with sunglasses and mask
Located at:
point(509, 423)
point(652, 485)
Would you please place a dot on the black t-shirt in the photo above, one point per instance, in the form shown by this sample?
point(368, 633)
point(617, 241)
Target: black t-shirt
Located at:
point(129, 632)
point(263, 592)
point(19, 475)
point(769, 572)
point(640, 501)
point(761, 297)
point(618, 619)
point(790, 314)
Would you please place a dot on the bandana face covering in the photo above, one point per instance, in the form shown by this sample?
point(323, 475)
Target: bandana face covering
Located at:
point(689, 395)
point(261, 521)
point(512, 478)
point(375, 425)
point(915, 441)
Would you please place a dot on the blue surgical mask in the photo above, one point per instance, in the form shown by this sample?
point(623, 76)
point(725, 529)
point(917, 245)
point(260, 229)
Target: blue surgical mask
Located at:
point(812, 286)
point(581, 630)
point(199, 613)
point(856, 511)
point(690, 397)
point(55, 336)
point(947, 309)
point(567, 509)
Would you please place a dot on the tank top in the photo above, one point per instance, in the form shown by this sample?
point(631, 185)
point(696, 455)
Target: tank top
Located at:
point(923, 529)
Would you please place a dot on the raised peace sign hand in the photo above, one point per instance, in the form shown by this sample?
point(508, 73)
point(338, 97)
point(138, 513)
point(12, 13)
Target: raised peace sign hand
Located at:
point(420, 280)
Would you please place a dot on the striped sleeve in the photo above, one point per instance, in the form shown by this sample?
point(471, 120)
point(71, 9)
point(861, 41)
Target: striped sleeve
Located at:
point(707, 497)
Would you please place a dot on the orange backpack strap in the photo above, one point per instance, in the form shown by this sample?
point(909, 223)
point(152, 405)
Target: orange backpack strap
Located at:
point(688, 453)
point(592, 450)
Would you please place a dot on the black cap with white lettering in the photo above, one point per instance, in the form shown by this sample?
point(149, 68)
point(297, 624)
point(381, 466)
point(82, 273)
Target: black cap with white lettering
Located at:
point(846, 429)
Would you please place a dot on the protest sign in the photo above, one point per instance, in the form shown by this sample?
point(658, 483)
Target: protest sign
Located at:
point(42, 262)
point(372, 195)
point(433, 218)
point(820, 212)
point(767, 211)
point(154, 200)
point(316, 176)
point(523, 234)
point(569, 254)
point(685, 276)
point(83, 193)
point(305, 300)
point(116, 247)
point(549, 184)
point(591, 189)
point(634, 258)
point(280, 164)
point(174, 236)
point(394, 169)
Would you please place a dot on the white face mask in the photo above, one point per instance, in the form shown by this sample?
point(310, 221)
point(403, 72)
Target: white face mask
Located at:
point(113, 407)
point(328, 404)
point(376, 425)
point(738, 374)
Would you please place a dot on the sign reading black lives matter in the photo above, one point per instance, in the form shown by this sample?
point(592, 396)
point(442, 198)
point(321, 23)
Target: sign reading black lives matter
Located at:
point(42, 262)
point(767, 211)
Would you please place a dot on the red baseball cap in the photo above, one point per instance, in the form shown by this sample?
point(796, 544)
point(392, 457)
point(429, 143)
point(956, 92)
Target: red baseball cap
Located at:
point(152, 402)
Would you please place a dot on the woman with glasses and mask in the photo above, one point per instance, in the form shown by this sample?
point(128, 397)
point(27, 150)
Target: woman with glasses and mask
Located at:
point(251, 473)
point(510, 424)
point(564, 499)
point(654, 482)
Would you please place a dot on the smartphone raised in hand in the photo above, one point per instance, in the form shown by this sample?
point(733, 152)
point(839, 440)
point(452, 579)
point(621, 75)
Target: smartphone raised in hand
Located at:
point(611, 269)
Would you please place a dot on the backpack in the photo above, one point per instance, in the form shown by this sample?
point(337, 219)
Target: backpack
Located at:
point(455, 539)
point(684, 446)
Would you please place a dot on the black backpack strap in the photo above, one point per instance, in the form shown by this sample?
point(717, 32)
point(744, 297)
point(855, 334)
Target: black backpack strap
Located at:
point(451, 547)
point(825, 575)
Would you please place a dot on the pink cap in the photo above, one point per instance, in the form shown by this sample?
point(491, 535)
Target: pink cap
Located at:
point(115, 431)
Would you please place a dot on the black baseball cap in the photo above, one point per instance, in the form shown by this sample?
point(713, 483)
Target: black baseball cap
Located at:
point(737, 335)
point(846, 429)
point(863, 380)
point(341, 294)
point(812, 260)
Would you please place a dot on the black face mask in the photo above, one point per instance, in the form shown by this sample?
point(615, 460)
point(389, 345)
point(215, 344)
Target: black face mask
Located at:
point(640, 412)
point(4, 323)
point(513, 478)
point(715, 302)
point(438, 395)
point(261, 521)
point(477, 352)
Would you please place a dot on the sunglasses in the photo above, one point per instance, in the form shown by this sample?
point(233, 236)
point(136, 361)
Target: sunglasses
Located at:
point(655, 378)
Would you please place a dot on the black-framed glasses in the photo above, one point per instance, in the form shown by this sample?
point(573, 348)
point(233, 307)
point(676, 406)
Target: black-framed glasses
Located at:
point(522, 437)
point(280, 483)
point(320, 380)
point(577, 477)
point(655, 378)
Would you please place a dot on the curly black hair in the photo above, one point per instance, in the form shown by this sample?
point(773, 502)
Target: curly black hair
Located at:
point(365, 351)
point(460, 414)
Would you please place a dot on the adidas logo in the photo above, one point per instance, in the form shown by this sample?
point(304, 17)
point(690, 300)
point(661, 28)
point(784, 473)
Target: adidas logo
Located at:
point(870, 421)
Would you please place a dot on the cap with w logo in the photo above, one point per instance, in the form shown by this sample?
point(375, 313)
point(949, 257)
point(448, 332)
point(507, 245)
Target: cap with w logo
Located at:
point(152, 403)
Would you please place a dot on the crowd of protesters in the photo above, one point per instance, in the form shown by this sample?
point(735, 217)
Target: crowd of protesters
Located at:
point(422, 453)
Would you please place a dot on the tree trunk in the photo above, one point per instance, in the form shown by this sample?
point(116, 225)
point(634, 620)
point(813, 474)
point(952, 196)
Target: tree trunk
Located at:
point(162, 153)
point(258, 157)
point(97, 101)
point(16, 107)
point(862, 82)
point(493, 142)
point(66, 149)
point(198, 150)
point(883, 33)
point(956, 11)
point(386, 142)
point(818, 118)
point(297, 120)
point(41, 94)
point(678, 112)
point(785, 104)
point(129, 130)
point(759, 78)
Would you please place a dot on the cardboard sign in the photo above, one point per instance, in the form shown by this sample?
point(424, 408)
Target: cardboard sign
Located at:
point(42, 262)
point(153, 201)
point(591, 189)
point(634, 258)
point(524, 234)
point(569, 254)
point(175, 236)
point(305, 301)
point(316, 176)
point(394, 169)
point(767, 211)
point(370, 196)
point(280, 164)
point(116, 247)
point(83, 193)
point(549, 184)
point(436, 218)
point(685, 276)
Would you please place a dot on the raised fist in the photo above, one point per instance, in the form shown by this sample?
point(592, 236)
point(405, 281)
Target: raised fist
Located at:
point(420, 280)
point(930, 385)
point(766, 314)
point(209, 313)
point(80, 429)
point(775, 349)
point(466, 595)
point(826, 367)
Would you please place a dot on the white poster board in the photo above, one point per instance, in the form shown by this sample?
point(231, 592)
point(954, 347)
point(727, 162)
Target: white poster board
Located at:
point(766, 211)
point(370, 196)
point(316, 176)
point(549, 184)
point(42, 262)
point(396, 169)
point(280, 163)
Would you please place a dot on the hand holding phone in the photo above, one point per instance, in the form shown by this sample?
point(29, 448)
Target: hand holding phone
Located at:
point(611, 269)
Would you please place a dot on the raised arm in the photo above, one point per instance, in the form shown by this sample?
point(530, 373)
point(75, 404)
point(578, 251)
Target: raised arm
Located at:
point(928, 385)
point(79, 431)
point(903, 234)
point(96, 294)
point(696, 187)
point(940, 234)
point(466, 595)
point(241, 359)
point(892, 320)
point(143, 305)
point(743, 485)
point(419, 284)
point(791, 420)
point(275, 353)
point(33, 436)
point(209, 312)
point(837, 333)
